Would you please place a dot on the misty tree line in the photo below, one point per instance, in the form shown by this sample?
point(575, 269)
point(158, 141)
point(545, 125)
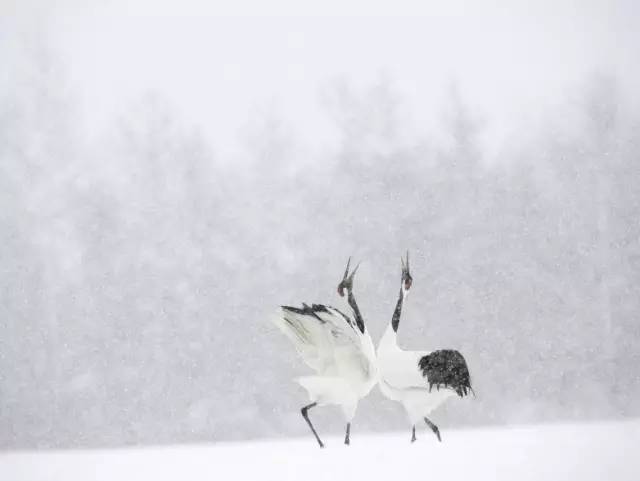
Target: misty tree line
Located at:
point(139, 269)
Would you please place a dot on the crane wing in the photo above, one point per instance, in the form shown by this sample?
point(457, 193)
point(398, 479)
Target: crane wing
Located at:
point(327, 339)
point(446, 368)
point(442, 369)
point(401, 371)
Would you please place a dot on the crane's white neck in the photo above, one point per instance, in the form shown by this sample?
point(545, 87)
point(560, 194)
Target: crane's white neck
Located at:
point(389, 339)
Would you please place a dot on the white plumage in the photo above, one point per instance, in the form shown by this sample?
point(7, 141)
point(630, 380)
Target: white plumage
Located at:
point(419, 380)
point(338, 348)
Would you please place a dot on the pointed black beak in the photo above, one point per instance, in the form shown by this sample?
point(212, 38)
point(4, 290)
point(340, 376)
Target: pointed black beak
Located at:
point(347, 279)
point(406, 274)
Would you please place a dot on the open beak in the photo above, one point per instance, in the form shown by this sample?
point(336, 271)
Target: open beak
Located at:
point(347, 279)
point(406, 274)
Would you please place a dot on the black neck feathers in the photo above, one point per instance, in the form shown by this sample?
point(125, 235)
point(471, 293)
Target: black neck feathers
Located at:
point(395, 320)
point(356, 311)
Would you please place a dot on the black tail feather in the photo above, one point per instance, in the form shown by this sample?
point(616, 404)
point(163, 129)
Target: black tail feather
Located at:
point(446, 368)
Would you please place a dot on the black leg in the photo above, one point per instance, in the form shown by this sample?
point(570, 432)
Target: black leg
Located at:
point(346, 438)
point(434, 428)
point(413, 434)
point(306, 418)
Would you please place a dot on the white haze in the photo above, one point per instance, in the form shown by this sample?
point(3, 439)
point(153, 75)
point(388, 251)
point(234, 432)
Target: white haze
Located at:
point(169, 176)
point(525, 453)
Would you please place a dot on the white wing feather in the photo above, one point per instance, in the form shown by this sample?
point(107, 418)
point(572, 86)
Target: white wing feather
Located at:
point(401, 370)
point(327, 340)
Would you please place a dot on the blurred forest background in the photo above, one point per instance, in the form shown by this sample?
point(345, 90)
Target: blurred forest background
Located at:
point(139, 266)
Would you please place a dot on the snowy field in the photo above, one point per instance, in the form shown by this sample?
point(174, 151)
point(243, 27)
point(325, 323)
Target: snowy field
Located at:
point(598, 451)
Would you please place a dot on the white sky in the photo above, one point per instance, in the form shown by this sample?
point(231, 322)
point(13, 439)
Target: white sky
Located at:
point(512, 61)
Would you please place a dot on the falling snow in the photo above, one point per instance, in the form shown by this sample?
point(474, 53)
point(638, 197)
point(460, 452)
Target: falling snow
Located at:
point(167, 181)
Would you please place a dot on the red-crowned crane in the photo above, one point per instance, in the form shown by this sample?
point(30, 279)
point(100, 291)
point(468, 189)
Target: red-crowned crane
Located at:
point(338, 347)
point(419, 380)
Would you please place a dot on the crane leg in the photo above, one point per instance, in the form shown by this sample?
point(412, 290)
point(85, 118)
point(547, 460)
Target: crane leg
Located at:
point(306, 418)
point(413, 434)
point(346, 438)
point(434, 428)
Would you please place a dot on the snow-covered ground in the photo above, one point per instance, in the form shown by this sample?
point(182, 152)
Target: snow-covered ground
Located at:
point(593, 451)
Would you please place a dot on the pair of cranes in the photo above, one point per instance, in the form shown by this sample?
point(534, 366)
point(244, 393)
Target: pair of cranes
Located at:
point(340, 350)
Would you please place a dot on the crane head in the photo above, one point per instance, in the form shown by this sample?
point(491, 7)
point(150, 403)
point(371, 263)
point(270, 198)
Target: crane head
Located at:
point(406, 274)
point(347, 279)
